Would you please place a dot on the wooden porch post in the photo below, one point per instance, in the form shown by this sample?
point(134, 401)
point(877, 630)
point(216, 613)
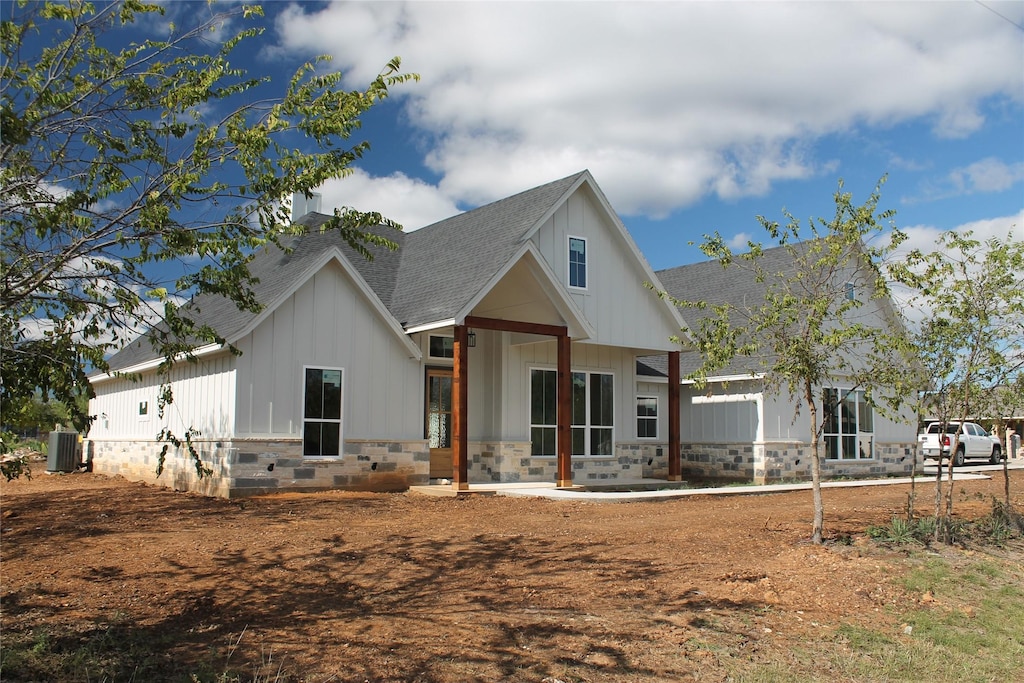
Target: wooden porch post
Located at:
point(460, 409)
point(564, 411)
point(675, 467)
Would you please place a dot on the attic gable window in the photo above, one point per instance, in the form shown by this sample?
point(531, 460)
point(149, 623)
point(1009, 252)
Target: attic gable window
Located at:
point(321, 412)
point(577, 262)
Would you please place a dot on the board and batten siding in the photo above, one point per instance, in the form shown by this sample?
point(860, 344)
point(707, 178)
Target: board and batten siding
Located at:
point(203, 393)
point(622, 311)
point(328, 323)
point(585, 358)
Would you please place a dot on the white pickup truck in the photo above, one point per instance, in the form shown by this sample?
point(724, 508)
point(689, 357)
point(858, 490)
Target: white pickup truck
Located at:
point(975, 442)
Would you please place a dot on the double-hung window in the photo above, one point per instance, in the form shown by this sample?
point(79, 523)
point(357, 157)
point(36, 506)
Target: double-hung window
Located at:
point(321, 412)
point(578, 262)
point(593, 413)
point(647, 417)
point(849, 429)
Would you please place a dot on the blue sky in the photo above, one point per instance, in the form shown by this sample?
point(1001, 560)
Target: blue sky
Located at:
point(692, 116)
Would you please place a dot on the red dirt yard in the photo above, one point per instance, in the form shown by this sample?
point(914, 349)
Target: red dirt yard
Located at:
point(402, 587)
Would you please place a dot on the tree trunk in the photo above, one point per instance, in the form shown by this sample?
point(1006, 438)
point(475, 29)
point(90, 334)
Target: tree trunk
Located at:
point(912, 496)
point(939, 521)
point(818, 526)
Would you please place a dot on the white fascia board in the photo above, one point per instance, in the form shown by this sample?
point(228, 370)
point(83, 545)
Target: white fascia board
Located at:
point(725, 398)
point(334, 253)
point(726, 378)
point(429, 327)
point(567, 308)
point(154, 363)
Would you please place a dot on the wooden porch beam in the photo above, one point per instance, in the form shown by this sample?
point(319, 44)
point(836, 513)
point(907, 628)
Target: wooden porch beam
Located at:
point(675, 466)
point(564, 411)
point(515, 326)
point(460, 409)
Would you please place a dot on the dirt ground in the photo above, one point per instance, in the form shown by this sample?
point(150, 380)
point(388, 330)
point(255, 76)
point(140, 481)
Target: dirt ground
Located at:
point(401, 587)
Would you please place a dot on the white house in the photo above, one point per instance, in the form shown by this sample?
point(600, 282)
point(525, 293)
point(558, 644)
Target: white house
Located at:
point(446, 359)
point(734, 429)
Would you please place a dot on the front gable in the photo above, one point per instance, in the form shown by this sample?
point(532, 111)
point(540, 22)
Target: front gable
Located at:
point(613, 298)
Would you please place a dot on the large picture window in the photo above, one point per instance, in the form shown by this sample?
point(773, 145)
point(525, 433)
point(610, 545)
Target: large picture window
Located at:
point(321, 412)
point(849, 429)
point(593, 410)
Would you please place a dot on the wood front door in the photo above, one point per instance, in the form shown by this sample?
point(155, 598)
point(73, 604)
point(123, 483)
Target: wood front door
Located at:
point(439, 422)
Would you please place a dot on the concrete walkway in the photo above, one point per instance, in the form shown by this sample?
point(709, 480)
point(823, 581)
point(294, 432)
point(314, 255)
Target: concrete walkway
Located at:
point(658, 489)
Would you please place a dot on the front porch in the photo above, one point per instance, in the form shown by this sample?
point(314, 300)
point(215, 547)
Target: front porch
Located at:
point(513, 461)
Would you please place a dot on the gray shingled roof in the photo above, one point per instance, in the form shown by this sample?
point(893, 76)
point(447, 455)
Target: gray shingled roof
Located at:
point(715, 284)
point(434, 274)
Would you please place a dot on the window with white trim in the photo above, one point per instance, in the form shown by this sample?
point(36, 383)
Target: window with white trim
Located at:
point(321, 412)
point(441, 347)
point(647, 417)
point(593, 413)
point(578, 262)
point(849, 425)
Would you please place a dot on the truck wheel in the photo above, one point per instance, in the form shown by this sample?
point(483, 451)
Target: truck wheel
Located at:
point(958, 459)
point(996, 456)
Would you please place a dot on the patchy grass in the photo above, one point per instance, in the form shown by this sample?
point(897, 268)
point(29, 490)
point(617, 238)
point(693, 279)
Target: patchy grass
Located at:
point(966, 627)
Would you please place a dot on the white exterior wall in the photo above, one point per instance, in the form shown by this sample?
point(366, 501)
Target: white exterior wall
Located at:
point(659, 389)
point(720, 414)
point(328, 323)
point(515, 411)
point(203, 395)
point(621, 310)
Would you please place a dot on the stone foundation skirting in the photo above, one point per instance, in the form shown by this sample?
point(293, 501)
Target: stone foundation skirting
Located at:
point(511, 461)
point(762, 463)
point(251, 467)
point(786, 461)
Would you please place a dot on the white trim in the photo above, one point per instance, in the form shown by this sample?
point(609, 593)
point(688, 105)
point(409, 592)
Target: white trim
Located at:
point(440, 336)
point(341, 414)
point(725, 398)
point(579, 327)
point(154, 363)
point(587, 179)
point(657, 418)
point(427, 327)
point(842, 395)
point(586, 371)
point(568, 263)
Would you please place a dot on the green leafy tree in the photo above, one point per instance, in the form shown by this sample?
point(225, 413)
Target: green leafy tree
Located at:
point(971, 340)
point(124, 157)
point(806, 333)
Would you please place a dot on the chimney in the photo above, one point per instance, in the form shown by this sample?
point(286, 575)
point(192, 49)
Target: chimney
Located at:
point(301, 206)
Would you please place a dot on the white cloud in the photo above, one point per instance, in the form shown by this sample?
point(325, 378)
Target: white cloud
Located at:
point(987, 175)
point(925, 239)
point(413, 203)
point(664, 102)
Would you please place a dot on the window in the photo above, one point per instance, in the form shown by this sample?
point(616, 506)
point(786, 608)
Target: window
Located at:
point(442, 347)
point(851, 291)
point(543, 411)
point(321, 412)
point(849, 430)
point(593, 409)
point(578, 262)
point(647, 417)
point(143, 408)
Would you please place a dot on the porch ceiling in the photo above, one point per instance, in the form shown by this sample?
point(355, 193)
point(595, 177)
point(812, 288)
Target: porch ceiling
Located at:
point(526, 294)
